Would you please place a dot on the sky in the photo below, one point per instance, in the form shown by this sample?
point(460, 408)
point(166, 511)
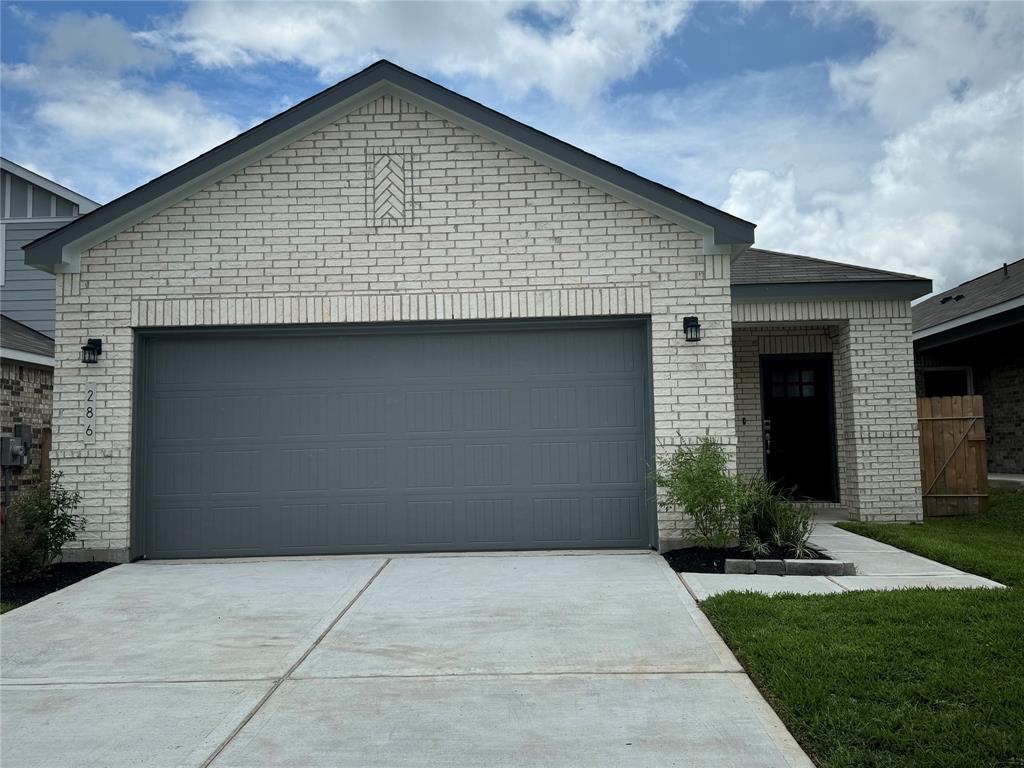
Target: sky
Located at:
point(883, 134)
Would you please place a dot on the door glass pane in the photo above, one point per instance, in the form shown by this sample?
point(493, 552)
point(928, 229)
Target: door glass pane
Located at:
point(807, 377)
point(808, 390)
point(793, 376)
point(778, 390)
point(792, 390)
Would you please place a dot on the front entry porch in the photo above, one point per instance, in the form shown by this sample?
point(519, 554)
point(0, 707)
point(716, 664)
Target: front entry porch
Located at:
point(824, 397)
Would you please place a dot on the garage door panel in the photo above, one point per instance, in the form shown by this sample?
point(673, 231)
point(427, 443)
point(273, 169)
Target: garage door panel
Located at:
point(177, 418)
point(615, 405)
point(233, 528)
point(358, 413)
point(486, 410)
point(616, 461)
point(429, 410)
point(487, 465)
point(555, 463)
point(411, 440)
point(234, 416)
point(490, 521)
point(176, 473)
point(304, 469)
point(234, 471)
point(430, 466)
point(617, 518)
point(557, 521)
point(362, 524)
point(363, 468)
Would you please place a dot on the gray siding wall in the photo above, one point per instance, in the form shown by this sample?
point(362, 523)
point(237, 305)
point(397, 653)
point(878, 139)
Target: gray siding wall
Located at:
point(27, 212)
point(28, 294)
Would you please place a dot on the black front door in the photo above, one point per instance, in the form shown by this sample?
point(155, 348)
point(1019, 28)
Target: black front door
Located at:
point(798, 424)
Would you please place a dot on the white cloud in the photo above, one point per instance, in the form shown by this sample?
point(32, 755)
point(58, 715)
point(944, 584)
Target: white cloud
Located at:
point(945, 195)
point(944, 201)
point(95, 121)
point(570, 50)
point(931, 54)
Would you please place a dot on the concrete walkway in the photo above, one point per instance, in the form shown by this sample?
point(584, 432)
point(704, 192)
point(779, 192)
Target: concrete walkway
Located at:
point(503, 660)
point(879, 566)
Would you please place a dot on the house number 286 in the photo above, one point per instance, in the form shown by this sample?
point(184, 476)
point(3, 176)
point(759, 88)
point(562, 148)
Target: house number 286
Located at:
point(89, 414)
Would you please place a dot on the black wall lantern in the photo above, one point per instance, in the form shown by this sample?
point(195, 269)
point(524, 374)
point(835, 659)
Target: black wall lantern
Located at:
point(691, 329)
point(91, 351)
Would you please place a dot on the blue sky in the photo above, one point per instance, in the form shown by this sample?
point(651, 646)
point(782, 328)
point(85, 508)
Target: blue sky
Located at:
point(881, 133)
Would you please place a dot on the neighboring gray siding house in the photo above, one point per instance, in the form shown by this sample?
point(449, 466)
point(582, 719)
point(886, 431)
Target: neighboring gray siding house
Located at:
point(969, 340)
point(30, 206)
point(392, 319)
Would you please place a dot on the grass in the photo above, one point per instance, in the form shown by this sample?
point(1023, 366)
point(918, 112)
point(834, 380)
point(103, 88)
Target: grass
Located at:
point(990, 544)
point(923, 678)
point(5, 607)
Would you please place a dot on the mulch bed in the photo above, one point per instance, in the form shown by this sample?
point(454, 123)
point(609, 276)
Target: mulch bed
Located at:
point(56, 577)
point(702, 560)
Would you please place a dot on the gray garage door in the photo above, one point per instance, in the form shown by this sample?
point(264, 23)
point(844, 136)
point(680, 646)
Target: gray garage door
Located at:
point(393, 439)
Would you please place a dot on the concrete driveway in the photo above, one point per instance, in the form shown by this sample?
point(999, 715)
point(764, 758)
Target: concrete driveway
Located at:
point(517, 660)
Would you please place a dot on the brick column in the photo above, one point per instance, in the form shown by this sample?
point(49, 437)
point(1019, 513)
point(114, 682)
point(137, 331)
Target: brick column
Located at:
point(874, 358)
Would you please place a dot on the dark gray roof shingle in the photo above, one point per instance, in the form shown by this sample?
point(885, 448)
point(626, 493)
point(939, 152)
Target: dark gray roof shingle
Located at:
point(988, 290)
point(756, 266)
point(21, 338)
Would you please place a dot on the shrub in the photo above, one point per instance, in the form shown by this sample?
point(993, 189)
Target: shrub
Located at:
point(694, 477)
point(769, 519)
point(755, 512)
point(39, 521)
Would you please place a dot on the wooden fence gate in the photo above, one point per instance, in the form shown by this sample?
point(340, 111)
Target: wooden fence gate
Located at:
point(954, 463)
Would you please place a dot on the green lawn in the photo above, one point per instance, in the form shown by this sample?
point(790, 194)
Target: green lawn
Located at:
point(5, 607)
point(990, 544)
point(922, 678)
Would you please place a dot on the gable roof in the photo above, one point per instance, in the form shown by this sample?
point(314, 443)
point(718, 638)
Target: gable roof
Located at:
point(59, 250)
point(758, 274)
point(19, 342)
point(988, 295)
point(85, 205)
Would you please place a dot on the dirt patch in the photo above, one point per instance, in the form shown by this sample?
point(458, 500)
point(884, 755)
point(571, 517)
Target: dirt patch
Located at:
point(55, 577)
point(702, 560)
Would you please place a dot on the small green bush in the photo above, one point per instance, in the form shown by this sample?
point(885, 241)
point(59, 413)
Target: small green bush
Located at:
point(694, 477)
point(40, 520)
point(727, 510)
point(770, 521)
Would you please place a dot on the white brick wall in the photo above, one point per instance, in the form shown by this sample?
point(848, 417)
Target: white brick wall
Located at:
point(485, 232)
point(876, 414)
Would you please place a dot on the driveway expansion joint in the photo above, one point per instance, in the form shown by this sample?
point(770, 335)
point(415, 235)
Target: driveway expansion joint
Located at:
point(277, 683)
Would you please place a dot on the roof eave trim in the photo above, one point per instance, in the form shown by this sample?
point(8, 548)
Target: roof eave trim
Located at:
point(973, 317)
point(60, 250)
point(85, 205)
point(32, 358)
point(839, 289)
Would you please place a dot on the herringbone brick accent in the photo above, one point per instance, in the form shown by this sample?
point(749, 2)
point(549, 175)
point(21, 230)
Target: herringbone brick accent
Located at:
point(391, 204)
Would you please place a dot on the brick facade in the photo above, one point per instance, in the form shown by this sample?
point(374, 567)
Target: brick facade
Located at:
point(875, 404)
point(323, 230)
point(27, 399)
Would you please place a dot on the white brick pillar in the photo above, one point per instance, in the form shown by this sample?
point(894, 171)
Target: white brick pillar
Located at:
point(874, 357)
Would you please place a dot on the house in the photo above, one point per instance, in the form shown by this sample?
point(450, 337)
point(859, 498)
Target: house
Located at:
point(30, 206)
point(969, 340)
point(392, 319)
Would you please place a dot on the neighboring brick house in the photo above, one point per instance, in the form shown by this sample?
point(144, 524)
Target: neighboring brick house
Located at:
point(969, 340)
point(26, 386)
point(391, 319)
point(30, 207)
